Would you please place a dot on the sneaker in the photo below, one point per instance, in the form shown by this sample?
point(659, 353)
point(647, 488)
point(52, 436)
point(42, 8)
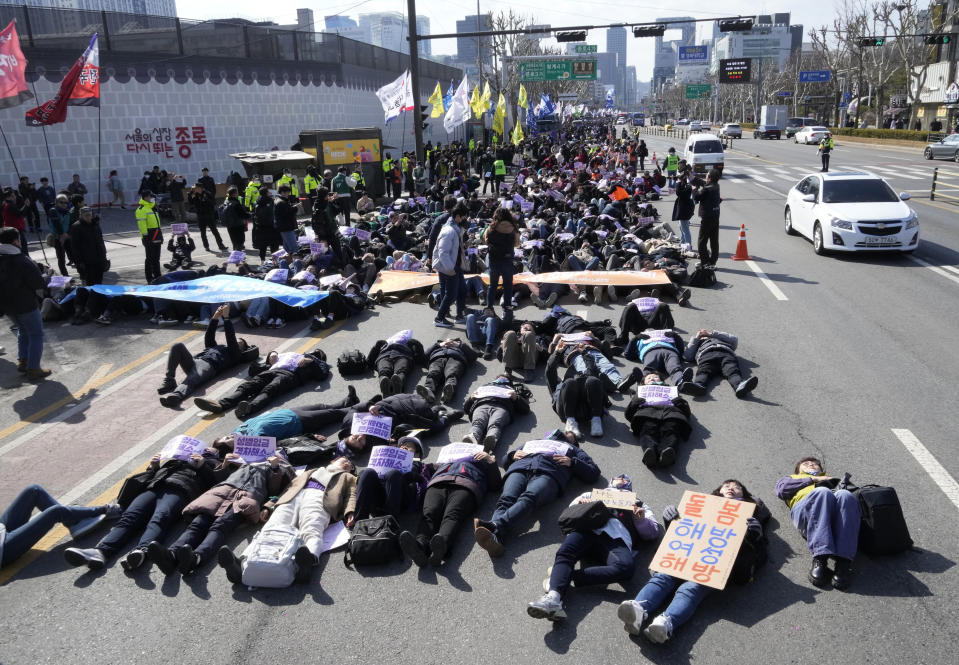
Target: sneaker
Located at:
point(280, 323)
point(397, 384)
point(650, 458)
point(459, 318)
point(103, 319)
point(386, 386)
point(633, 616)
point(596, 426)
point(442, 323)
point(598, 295)
point(746, 387)
point(133, 560)
point(256, 321)
point(211, 405)
point(667, 456)
point(305, 560)
point(413, 549)
point(842, 576)
point(487, 539)
point(549, 607)
point(635, 294)
point(162, 557)
point(573, 428)
point(539, 302)
point(452, 415)
point(112, 511)
point(426, 394)
point(655, 293)
point(683, 298)
point(226, 559)
point(38, 374)
point(660, 630)
point(201, 323)
point(489, 442)
point(469, 438)
point(378, 297)
point(582, 298)
point(626, 383)
point(85, 526)
point(168, 385)
point(611, 294)
point(449, 391)
point(437, 550)
point(271, 323)
point(351, 396)
point(489, 353)
point(90, 557)
point(243, 410)
point(171, 401)
point(154, 320)
point(686, 377)
point(167, 321)
point(186, 559)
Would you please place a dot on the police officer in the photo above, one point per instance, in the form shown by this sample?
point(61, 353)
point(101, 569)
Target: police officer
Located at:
point(499, 173)
point(252, 192)
point(148, 222)
point(310, 184)
point(825, 147)
point(672, 166)
point(388, 175)
point(288, 179)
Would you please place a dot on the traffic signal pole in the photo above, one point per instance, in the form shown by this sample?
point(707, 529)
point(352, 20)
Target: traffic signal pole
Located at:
point(415, 78)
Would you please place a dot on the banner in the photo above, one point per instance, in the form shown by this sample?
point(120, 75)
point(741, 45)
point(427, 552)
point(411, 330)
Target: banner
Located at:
point(702, 544)
point(396, 281)
point(217, 289)
point(397, 96)
point(254, 448)
point(13, 67)
point(388, 458)
point(436, 99)
point(55, 110)
point(596, 278)
point(87, 90)
point(181, 447)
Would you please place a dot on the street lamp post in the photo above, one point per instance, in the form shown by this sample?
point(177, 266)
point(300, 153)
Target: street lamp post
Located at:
point(415, 79)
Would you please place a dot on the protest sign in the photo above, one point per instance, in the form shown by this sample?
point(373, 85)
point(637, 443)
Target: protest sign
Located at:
point(304, 276)
point(545, 447)
point(702, 544)
point(287, 360)
point(58, 281)
point(318, 248)
point(458, 452)
point(367, 423)
point(181, 447)
point(646, 305)
point(362, 235)
point(661, 396)
point(254, 448)
point(278, 254)
point(237, 257)
point(387, 458)
point(574, 338)
point(277, 275)
point(617, 499)
point(178, 229)
point(494, 391)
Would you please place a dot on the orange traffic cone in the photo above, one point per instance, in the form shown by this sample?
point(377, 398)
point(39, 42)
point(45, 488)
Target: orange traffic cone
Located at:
point(741, 253)
point(654, 157)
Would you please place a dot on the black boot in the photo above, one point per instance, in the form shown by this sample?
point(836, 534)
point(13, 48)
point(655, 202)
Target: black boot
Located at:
point(819, 573)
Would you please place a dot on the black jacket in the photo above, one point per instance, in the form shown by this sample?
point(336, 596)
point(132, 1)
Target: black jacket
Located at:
point(181, 477)
point(233, 214)
point(463, 352)
point(21, 279)
point(284, 215)
point(582, 466)
point(684, 207)
point(86, 241)
point(709, 201)
point(412, 349)
point(223, 356)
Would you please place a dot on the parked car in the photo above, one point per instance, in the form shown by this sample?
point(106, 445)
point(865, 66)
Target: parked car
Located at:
point(947, 148)
point(851, 211)
point(731, 130)
point(767, 132)
point(813, 135)
point(695, 126)
point(682, 122)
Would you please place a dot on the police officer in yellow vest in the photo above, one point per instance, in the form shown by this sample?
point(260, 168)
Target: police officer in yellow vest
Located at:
point(288, 179)
point(825, 147)
point(148, 222)
point(310, 184)
point(499, 173)
point(672, 167)
point(252, 192)
point(387, 174)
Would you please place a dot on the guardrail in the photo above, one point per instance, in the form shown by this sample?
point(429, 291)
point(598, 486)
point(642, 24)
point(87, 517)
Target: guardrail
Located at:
point(678, 132)
point(948, 182)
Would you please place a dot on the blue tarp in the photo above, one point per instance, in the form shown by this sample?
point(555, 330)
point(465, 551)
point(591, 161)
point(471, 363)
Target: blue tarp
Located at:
point(217, 289)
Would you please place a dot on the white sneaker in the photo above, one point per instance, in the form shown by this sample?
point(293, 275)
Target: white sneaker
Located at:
point(468, 438)
point(280, 323)
point(270, 323)
point(596, 426)
point(660, 630)
point(573, 427)
point(633, 616)
point(550, 607)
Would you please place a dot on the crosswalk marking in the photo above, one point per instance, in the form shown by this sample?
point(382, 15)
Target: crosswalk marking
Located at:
point(793, 173)
point(755, 175)
point(895, 173)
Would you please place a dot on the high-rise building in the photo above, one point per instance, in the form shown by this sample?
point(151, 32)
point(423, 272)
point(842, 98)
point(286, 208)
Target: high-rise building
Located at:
point(466, 47)
point(387, 29)
point(142, 7)
point(665, 56)
point(616, 43)
point(772, 41)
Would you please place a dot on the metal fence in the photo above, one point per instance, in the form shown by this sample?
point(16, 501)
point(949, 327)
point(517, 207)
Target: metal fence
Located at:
point(70, 29)
point(944, 186)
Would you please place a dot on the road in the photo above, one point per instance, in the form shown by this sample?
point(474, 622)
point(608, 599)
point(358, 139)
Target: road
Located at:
point(856, 363)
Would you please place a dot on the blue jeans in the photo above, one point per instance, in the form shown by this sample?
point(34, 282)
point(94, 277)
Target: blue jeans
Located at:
point(619, 563)
point(522, 491)
point(685, 235)
point(259, 308)
point(29, 337)
point(449, 289)
point(574, 226)
point(24, 532)
point(289, 241)
point(576, 264)
point(481, 330)
point(602, 363)
point(687, 598)
point(829, 521)
point(499, 268)
point(158, 509)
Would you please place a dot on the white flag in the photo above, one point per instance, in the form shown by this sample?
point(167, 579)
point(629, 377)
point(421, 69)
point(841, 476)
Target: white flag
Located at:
point(459, 111)
point(397, 96)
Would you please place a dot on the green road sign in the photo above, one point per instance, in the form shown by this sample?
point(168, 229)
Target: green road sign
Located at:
point(557, 70)
point(586, 48)
point(699, 91)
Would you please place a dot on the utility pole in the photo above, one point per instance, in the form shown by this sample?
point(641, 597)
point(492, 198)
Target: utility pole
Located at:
point(415, 79)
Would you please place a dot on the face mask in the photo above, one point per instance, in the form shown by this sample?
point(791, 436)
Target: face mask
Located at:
point(813, 473)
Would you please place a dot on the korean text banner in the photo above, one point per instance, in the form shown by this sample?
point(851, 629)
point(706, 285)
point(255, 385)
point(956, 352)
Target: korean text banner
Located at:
point(13, 67)
point(217, 289)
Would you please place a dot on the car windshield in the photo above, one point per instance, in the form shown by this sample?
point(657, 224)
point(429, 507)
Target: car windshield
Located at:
point(707, 147)
point(857, 191)
point(732, 126)
point(794, 122)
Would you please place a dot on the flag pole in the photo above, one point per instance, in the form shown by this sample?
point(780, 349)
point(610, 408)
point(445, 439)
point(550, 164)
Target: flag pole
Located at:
point(10, 152)
point(99, 154)
point(53, 176)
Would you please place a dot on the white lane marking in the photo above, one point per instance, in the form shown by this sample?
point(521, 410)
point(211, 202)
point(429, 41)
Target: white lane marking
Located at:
point(775, 290)
point(896, 173)
point(929, 464)
point(782, 175)
point(952, 269)
point(754, 174)
point(935, 269)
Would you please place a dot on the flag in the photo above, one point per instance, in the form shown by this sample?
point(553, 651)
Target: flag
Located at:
point(13, 66)
point(609, 98)
point(486, 99)
point(55, 110)
point(397, 96)
point(619, 194)
point(517, 133)
point(523, 100)
point(448, 97)
point(500, 115)
point(475, 103)
point(436, 99)
point(545, 107)
point(459, 111)
point(87, 90)
point(531, 119)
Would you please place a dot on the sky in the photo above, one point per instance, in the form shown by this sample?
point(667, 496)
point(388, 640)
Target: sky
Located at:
point(444, 14)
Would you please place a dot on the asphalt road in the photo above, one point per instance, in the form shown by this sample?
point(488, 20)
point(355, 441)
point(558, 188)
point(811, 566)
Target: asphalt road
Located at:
point(847, 350)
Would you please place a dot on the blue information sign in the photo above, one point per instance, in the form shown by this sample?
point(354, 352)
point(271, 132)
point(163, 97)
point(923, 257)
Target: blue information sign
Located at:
point(815, 76)
point(784, 93)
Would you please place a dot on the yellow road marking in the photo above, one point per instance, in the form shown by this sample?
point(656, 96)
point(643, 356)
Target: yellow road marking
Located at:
point(934, 205)
point(92, 384)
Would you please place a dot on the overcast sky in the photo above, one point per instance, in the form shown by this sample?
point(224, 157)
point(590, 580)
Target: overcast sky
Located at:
point(444, 14)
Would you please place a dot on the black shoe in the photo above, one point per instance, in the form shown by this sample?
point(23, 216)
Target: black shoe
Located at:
point(843, 574)
point(692, 388)
point(226, 559)
point(819, 573)
point(211, 405)
point(449, 391)
point(627, 383)
point(186, 559)
point(171, 401)
point(386, 386)
point(304, 564)
point(650, 458)
point(413, 549)
point(489, 353)
point(351, 396)
point(686, 377)
point(683, 298)
point(437, 550)
point(667, 456)
point(133, 560)
point(397, 384)
point(454, 414)
point(746, 387)
point(168, 385)
point(243, 409)
point(162, 557)
point(90, 557)
point(426, 394)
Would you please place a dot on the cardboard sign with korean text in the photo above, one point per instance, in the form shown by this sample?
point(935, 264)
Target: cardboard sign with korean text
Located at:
point(458, 452)
point(254, 448)
point(701, 545)
point(367, 423)
point(618, 499)
point(178, 229)
point(546, 447)
point(181, 447)
point(387, 458)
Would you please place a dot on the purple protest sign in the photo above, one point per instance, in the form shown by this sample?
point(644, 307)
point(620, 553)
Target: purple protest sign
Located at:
point(254, 448)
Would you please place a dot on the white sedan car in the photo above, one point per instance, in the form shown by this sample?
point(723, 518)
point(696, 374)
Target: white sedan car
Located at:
point(850, 212)
point(808, 135)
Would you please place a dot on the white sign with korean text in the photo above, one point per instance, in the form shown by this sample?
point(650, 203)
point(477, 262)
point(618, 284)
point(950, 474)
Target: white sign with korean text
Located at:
point(545, 447)
point(387, 458)
point(181, 447)
point(367, 423)
point(458, 452)
point(254, 448)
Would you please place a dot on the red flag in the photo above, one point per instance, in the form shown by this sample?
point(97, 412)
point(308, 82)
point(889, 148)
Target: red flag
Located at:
point(55, 110)
point(87, 90)
point(13, 83)
point(619, 194)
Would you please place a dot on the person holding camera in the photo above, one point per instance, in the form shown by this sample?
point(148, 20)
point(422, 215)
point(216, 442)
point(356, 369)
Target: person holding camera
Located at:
point(684, 207)
point(707, 194)
point(827, 517)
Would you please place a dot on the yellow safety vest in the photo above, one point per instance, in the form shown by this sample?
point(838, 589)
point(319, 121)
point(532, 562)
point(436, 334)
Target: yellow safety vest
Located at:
point(310, 183)
point(358, 177)
point(672, 162)
point(387, 165)
point(251, 195)
point(148, 220)
point(288, 180)
point(403, 163)
point(499, 167)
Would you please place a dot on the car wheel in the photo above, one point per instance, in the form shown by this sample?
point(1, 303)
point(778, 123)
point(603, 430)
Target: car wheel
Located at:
point(788, 216)
point(817, 242)
point(955, 157)
point(795, 140)
point(927, 153)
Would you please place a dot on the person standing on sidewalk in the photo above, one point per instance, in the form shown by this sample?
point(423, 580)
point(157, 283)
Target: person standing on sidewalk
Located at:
point(115, 187)
point(202, 202)
point(58, 222)
point(709, 200)
point(21, 278)
point(148, 222)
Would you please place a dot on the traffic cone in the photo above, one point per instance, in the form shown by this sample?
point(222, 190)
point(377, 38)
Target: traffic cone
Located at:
point(741, 253)
point(654, 158)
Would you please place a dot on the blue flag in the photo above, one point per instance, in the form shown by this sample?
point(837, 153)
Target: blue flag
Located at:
point(448, 97)
point(545, 107)
point(531, 119)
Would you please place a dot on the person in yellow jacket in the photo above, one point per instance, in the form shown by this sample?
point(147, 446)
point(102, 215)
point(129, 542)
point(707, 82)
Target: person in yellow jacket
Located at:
point(311, 183)
point(826, 146)
point(499, 173)
point(288, 179)
point(252, 192)
point(151, 235)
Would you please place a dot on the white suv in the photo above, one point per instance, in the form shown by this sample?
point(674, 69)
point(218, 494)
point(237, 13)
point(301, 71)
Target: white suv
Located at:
point(849, 212)
point(704, 152)
point(731, 130)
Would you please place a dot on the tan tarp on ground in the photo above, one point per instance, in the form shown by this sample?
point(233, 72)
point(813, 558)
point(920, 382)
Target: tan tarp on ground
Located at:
point(396, 281)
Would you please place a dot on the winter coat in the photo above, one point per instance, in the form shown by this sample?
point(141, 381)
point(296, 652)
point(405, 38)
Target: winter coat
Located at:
point(86, 241)
point(21, 278)
point(582, 466)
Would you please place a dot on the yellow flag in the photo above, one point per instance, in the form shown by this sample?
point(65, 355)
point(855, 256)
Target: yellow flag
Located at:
point(487, 97)
point(500, 114)
point(523, 100)
point(436, 99)
point(475, 103)
point(518, 132)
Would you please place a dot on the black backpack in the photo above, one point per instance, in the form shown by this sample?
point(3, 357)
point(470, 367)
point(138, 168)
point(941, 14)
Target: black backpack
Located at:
point(702, 277)
point(584, 517)
point(351, 363)
point(374, 541)
point(883, 529)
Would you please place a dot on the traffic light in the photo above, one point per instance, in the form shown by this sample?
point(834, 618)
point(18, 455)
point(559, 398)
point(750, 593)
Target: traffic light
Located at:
point(571, 36)
point(938, 39)
point(656, 30)
point(424, 114)
point(871, 41)
point(735, 24)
